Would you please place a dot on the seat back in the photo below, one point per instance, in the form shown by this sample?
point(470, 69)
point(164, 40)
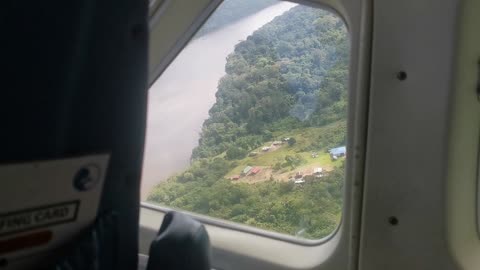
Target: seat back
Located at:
point(74, 84)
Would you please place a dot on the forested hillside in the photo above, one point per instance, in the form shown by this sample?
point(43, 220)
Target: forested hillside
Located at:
point(231, 11)
point(284, 88)
point(290, 73)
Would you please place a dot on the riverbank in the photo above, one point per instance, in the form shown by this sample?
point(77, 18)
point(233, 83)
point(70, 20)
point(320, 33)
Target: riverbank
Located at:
point(180, 99)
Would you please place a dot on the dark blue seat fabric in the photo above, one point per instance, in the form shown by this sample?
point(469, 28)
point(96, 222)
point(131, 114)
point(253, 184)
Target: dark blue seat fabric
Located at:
point(74, 83)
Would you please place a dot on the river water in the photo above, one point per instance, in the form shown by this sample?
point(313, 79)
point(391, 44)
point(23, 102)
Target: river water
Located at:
point(180, 99)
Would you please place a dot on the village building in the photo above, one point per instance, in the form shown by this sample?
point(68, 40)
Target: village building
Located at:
point(255, 170)
point(338, 152)
point(246, 170)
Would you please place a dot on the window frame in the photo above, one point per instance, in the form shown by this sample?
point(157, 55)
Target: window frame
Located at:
point(357, 19)
point(217, 222)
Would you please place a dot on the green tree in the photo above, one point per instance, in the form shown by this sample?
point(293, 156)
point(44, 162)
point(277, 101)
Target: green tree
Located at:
point(235, 153)
point(292, 141)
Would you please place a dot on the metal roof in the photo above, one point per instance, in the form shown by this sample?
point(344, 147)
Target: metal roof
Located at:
point(338, 151)
point(247, 169)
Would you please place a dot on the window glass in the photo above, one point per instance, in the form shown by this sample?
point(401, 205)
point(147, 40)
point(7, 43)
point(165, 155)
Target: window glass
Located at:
point(248, 123)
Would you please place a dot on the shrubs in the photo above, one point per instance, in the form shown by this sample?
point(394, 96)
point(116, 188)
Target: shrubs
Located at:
point(271, 205)
point(236, 153)
point(291, 141)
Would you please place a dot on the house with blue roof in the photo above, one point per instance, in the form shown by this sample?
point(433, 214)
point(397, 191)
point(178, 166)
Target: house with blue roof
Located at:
point(335, 153)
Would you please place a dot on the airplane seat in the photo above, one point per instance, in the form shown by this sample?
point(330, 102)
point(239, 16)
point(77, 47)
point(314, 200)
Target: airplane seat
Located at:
point(74, 91)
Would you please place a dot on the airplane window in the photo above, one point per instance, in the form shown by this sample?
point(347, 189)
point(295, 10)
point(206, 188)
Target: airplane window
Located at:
point(249, 122)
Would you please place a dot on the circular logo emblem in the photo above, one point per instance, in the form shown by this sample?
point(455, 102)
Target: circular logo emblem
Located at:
point(86, 178)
